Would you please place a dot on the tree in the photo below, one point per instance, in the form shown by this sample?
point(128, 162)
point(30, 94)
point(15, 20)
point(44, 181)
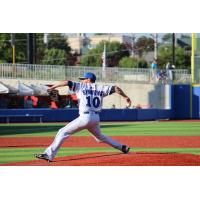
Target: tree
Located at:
point(182, 57)
point(6, 48)
point(40, 47)
point(102, 34)
point(128, 62)
point(167, 38)
point(21, 47)
point(144, 44)
point(56, 51)
point(114, 52)
point(142, 63)
point(55, 41)
point(184, 36)
point(91, 59)
point(185, 41)
point(58, 41)
point(54, 57)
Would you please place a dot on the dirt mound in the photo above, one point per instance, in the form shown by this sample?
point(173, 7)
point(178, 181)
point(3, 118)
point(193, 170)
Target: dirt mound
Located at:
point(119, 159)
point(88, 141)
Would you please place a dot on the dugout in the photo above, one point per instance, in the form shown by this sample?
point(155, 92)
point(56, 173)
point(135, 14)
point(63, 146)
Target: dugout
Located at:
point(184, 104)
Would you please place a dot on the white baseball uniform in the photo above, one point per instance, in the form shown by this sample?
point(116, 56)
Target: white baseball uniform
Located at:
point(90, 97)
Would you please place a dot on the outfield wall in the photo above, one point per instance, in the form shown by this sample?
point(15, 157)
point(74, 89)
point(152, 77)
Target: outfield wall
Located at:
point(195, 102)
point(180, 101)
point(185, 101)
point(62, 115)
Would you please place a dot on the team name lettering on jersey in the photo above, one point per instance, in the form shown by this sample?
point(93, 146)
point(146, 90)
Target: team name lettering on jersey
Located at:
point(93, 92)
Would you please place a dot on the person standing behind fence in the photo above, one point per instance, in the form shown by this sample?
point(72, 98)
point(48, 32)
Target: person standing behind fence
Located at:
point(169, 69)
point(154, 67)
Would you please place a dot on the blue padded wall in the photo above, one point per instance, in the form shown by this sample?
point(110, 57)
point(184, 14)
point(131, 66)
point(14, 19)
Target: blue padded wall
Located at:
point(180, 101)
point(196, 102)
point(62, 115)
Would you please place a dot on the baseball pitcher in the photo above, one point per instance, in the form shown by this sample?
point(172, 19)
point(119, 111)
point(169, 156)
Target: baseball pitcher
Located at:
point(90, 96)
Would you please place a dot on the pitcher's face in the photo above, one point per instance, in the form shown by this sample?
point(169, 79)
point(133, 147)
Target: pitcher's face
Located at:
point(86, 81)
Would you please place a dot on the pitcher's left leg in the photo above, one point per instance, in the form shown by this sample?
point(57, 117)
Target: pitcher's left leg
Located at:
point(76, 125)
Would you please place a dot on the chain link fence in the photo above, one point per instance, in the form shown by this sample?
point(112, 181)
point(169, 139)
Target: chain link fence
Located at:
point(115, 74)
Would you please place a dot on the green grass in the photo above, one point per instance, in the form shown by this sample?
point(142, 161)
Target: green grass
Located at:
point(111, 129)
point(10, 155)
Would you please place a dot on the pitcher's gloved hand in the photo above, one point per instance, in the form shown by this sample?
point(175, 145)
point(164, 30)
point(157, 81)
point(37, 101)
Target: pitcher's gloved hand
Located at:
point(53, 94)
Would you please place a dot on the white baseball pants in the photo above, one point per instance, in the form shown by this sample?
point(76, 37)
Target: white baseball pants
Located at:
point(84, 121)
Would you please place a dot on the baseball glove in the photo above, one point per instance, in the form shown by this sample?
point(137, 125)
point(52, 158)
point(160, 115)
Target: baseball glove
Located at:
point(54, 95)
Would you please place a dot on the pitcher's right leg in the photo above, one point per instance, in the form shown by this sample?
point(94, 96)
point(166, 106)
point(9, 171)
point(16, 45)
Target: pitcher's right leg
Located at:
point(95, 130)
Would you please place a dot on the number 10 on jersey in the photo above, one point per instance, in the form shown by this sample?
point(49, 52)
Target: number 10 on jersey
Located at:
point(93, 101)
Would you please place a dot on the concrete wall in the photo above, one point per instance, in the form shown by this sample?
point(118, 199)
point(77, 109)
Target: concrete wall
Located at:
point(144, 94)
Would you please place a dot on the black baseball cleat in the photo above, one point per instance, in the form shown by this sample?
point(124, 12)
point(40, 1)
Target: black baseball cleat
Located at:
point(125, 149)
point(43, 157)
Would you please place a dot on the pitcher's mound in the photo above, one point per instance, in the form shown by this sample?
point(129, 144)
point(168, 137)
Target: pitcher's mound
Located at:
point(119, 159)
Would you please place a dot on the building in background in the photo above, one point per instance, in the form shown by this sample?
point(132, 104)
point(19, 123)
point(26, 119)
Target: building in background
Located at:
point(81, 43)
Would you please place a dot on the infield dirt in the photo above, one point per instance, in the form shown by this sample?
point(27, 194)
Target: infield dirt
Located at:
point(119, 159)
point(113, 159)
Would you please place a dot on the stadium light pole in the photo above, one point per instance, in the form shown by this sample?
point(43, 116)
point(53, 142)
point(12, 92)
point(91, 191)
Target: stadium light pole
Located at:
point(155, 46)
point(104, 58)
point(104, 62)
point(45, 39)
point(31, 48)
point(13, 53)
point(155, 39)
point(193, 44)
point(13, 47)
point(173, 48)
point(193, 56)
point(132, 45)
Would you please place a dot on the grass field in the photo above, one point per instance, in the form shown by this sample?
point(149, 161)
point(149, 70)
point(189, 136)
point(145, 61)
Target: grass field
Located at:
point(12, 154)
point(111, 129)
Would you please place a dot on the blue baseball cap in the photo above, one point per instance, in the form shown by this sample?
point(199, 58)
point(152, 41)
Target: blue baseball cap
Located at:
point(88, 75)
